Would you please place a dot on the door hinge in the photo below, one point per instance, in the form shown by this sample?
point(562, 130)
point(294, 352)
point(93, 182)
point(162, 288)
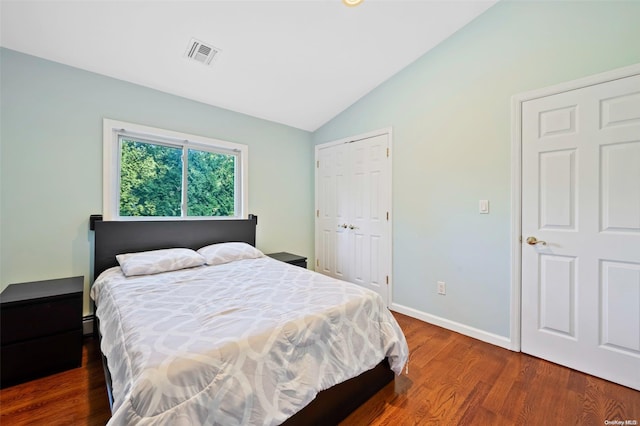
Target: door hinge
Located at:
point(387, 216)
point(318, 262)
point(387, 152)
point(317, 213)
point(318, 164)
point(387, 279)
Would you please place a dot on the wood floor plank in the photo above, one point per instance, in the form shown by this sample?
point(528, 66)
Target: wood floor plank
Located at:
point(464, 381)
point(452, 380)
point(73, 397)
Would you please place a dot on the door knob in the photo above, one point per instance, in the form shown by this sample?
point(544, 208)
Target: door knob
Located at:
point(344, 225)
point(532, 241)
point(353, 227)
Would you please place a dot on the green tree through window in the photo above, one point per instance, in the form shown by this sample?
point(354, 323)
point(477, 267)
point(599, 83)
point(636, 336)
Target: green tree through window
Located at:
point(211, 184)
point(151, 180)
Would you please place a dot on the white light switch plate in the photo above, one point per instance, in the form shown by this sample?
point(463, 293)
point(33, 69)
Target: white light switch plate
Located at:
point(484, 206)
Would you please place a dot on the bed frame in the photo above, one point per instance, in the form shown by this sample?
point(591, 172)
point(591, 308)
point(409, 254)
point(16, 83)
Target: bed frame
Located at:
point(111, 238)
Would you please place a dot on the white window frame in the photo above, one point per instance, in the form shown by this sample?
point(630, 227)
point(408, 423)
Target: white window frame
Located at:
point(113, 129)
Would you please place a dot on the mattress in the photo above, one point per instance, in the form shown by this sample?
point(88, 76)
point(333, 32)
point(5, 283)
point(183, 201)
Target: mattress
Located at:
point(247, 342)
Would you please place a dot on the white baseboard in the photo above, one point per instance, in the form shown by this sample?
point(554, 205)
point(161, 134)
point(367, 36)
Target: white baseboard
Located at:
point(494, 339)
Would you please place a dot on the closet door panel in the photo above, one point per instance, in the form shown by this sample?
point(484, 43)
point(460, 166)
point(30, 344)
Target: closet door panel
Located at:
point(360, 189)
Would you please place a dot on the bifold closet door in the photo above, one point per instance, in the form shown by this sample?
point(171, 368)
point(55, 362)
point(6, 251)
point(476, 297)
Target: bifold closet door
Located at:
point(353, 198)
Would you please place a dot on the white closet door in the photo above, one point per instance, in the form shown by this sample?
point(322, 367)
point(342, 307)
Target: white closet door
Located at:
point(369, 206)
point(331, 215)
point(581, 201)
point(353, 194)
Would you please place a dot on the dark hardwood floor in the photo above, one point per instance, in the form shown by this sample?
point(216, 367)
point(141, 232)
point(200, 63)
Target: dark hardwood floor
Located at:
point(452, 380)
point(73, 397)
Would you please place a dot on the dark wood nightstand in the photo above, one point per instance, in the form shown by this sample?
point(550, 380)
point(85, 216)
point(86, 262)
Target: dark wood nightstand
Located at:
point(40, 329)
point(292, 259)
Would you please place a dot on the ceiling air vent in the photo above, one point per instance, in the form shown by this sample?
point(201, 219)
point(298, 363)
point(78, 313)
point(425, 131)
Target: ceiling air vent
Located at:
point(201, 52)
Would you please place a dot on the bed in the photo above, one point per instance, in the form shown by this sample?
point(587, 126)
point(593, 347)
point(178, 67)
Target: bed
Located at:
point(215, 344)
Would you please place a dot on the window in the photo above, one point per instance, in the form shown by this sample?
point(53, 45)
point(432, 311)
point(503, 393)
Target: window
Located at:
point(153, 173)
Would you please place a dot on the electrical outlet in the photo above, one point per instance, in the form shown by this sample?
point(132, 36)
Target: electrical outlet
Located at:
point(442, 288)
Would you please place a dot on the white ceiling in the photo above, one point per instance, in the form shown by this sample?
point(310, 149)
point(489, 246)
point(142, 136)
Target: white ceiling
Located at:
point(296, 62)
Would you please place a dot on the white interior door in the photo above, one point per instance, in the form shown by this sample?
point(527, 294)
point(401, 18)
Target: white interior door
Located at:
point(332, 242)
point(368, 222)
point(353, 193)
point(581, 201)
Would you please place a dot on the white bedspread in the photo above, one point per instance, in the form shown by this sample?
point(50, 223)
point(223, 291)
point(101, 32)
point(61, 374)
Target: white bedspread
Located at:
point(248, 342)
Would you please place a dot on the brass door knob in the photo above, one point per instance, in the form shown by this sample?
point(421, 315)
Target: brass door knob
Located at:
point(532, 241)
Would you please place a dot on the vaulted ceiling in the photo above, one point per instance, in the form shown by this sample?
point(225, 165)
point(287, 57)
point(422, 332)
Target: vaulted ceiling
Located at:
point(298, 63)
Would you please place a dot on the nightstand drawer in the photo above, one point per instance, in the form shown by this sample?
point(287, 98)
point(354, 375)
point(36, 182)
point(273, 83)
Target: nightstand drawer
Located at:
point(301, 263)
point(36, 319)
point(31, 359)
point(292, 259)
point(40, 329)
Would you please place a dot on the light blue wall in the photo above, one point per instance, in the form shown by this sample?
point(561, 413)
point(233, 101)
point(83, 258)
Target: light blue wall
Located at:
point(450, 114)
point(51, 164)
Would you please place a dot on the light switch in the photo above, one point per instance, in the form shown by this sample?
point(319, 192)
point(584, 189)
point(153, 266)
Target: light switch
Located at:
point(484, 206)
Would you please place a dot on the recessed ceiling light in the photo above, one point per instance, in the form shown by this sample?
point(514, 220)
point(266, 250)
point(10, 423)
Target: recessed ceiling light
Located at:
point(352, 3)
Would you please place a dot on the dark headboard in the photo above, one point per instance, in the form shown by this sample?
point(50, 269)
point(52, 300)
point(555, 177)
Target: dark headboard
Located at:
point(112, 238)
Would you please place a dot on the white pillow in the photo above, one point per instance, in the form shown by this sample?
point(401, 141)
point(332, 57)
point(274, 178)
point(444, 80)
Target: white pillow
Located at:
point(156, 261)
point(217, 254)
